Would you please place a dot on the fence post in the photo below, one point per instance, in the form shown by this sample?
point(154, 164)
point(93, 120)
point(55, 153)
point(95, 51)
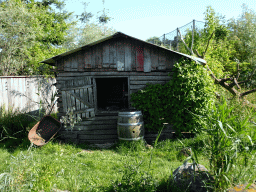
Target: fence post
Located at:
point(164, 40)
point(193, 31)
point(177, 46)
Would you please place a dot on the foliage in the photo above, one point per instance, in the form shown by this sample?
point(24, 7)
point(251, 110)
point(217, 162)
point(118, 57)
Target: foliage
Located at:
point(17, 33)
point(227, 46)
point(92, 32)
point(151, 101)
point(190, 88)
point(13, 124)
point(228, 149)
point(32, 31)
point(70, 119)
point(154, 40)
point(242, 33)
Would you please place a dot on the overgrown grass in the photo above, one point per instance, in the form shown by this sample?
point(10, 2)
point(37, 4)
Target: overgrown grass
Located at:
point(68, 167)
point(131, 166)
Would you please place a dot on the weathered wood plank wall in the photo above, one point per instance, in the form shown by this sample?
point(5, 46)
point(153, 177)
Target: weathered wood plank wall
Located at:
point(139, 62)
point(102, 128)
point(25, 93)
point(119, 55)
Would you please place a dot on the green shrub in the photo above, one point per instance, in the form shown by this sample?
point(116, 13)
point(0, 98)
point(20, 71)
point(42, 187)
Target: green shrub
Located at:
point(227, 145)
point(13, 124)
point(190, 89)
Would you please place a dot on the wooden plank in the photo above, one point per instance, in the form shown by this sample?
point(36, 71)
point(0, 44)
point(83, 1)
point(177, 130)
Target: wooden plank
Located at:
point(28, 101)
point(120, 55)
point(77, 88)
point(112, 53)
point(94, 92)
point(137, 86)
point(87, 59)
point(162, 59)
point(92, 113)
point(154, 58)
point(69, 104)
point(133, 55)
point(100, 118)
point(98, 56)
point(170, 60)
point(71, 75)
point(64, 101)
point(152, 78)
point(60, 64)
point(162, 67)
point(109, 130)
point(100, 122)
point(85, 110)
point(73, 95)
point(93, 57)
point(147, 59)
point(105, 57)
point(145, 82)
point(139, 58)
point(93, 137)
point(90, 94)
point(74, 61)
point(78, 103)
point(82, 104)
point(80, 61)
point(67, 63)
point(128, 57)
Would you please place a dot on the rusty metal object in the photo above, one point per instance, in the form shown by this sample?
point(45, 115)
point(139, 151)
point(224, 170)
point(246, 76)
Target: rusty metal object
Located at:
point(44, 130)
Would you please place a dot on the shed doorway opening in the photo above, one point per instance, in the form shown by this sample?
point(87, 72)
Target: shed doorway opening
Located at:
point(112, 94)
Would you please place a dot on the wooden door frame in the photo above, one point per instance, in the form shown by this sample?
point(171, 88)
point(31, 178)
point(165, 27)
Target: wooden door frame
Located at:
point(109, 77)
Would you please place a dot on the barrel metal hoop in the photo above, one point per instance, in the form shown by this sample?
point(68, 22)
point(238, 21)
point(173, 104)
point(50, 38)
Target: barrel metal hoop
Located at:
point(125, 124)
point(131, 139)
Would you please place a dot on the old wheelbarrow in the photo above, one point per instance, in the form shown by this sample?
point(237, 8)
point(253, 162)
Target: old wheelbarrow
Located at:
point(44, 130)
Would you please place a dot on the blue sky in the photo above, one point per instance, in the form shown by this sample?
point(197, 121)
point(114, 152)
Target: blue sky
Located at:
point(146, 18)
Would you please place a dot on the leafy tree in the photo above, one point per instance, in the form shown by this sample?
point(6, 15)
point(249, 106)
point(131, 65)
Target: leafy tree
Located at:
point(92, 32)
point(154, 40)
point(53, 34)
point(216, 46)
point(30, 32)
point(17, 33)
point(243, 33)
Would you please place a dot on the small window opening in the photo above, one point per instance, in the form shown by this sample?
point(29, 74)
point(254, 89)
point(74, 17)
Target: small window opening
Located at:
point(112, 94)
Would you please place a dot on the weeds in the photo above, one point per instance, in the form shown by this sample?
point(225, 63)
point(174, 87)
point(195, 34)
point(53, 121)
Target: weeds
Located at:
point(226, 147)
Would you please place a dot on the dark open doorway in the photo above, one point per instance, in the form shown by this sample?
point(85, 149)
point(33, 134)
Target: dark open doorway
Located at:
point(112, 93)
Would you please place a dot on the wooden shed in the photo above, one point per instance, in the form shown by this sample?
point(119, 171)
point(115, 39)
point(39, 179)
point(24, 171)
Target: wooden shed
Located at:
point(97, 80)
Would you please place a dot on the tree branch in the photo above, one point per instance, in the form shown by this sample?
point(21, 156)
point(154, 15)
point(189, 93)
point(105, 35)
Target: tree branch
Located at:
point(207, 45)
point(185, 43)
point(247, 92)
point(198, 55)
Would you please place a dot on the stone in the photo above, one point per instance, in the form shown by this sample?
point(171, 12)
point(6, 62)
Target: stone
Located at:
point(185, 180)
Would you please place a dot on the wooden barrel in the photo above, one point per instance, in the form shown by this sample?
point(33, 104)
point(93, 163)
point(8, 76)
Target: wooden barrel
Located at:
point(130, 125)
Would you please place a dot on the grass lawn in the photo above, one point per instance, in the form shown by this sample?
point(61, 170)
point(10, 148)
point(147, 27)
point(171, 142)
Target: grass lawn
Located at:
point(83, 168)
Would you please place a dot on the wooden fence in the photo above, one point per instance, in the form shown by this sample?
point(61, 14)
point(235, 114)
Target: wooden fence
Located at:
point(27, 94)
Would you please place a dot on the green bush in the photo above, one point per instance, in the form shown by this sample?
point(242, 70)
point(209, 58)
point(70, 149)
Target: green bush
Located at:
point(190, 89)
point(13, 124)
point(228, 145)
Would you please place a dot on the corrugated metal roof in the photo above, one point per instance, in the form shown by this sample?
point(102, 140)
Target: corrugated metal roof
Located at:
point(51, 61)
